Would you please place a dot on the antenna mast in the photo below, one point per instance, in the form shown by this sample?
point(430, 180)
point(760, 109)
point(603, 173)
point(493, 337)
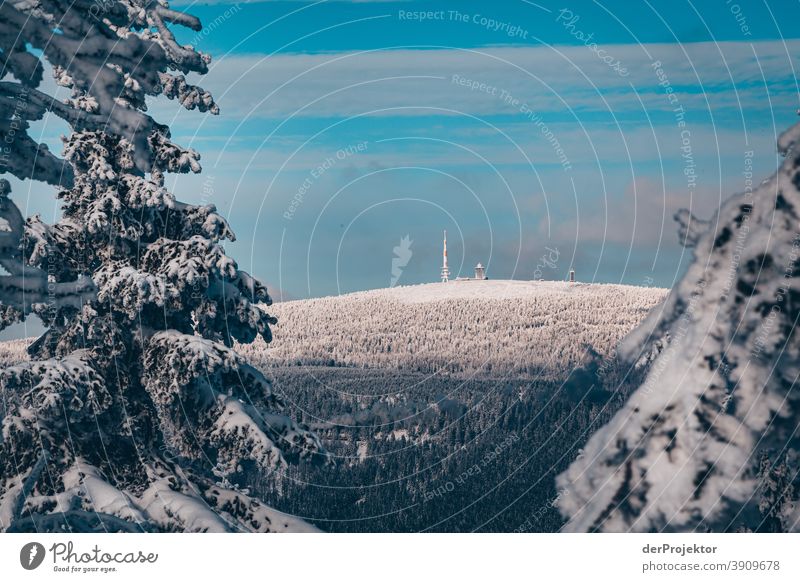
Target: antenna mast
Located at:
point(445, 269)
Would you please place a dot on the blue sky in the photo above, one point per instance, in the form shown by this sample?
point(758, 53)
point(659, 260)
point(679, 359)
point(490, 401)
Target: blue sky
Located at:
point(346, 126)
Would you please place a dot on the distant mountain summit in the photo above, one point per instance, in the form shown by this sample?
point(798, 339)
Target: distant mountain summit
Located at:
point(483, 327)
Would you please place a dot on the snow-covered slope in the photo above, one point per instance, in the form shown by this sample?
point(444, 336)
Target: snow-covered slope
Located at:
point(497, 289)
point(13, 352)
point(484, 327)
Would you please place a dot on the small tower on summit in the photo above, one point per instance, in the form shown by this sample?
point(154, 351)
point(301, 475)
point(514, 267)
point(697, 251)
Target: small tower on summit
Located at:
point(480, 272)
point(445, 268)
point(571, 275)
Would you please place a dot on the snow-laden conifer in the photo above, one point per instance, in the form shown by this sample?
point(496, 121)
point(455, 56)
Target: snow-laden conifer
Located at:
point(684, 452)
point(133, 412)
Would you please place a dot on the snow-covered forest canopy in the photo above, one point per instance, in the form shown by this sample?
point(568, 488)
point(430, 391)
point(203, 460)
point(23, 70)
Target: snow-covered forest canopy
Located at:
point(501, 328)
point(133, 413)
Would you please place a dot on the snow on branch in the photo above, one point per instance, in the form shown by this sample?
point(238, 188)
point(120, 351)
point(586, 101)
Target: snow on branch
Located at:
point(683, 452)
point(25, 287)
point(111, 61)
point(215, 405)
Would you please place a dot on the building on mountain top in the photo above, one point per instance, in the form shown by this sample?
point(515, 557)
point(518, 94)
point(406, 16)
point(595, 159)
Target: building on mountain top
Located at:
point(480, 270)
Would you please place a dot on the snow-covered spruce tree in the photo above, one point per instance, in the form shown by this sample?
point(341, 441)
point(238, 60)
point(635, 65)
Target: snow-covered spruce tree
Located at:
point(683, 453)
point(134, 412)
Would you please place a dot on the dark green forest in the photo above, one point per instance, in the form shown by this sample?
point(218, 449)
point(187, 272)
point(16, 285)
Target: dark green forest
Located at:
point(419, 452)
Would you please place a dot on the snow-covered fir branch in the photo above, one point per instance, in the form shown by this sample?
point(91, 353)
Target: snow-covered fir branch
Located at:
point(683, 454)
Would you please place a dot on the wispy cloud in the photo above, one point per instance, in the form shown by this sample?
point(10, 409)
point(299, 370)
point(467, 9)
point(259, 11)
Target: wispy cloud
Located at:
point(558, 79)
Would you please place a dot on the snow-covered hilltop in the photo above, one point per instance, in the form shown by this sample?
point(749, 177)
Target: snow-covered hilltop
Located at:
point(484, 327)
point(515, 328)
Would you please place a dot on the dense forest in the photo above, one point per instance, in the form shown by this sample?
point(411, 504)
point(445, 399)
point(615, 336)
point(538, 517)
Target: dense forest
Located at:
point(418, 452)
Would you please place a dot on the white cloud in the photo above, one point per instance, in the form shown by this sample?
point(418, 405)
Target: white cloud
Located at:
point(406, 82)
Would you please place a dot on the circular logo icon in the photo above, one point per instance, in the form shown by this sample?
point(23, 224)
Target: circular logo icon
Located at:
point(31, 555)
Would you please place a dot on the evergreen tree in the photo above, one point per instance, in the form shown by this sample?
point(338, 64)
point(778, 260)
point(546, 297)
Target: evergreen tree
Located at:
point(134, 412)
point(722, 385)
